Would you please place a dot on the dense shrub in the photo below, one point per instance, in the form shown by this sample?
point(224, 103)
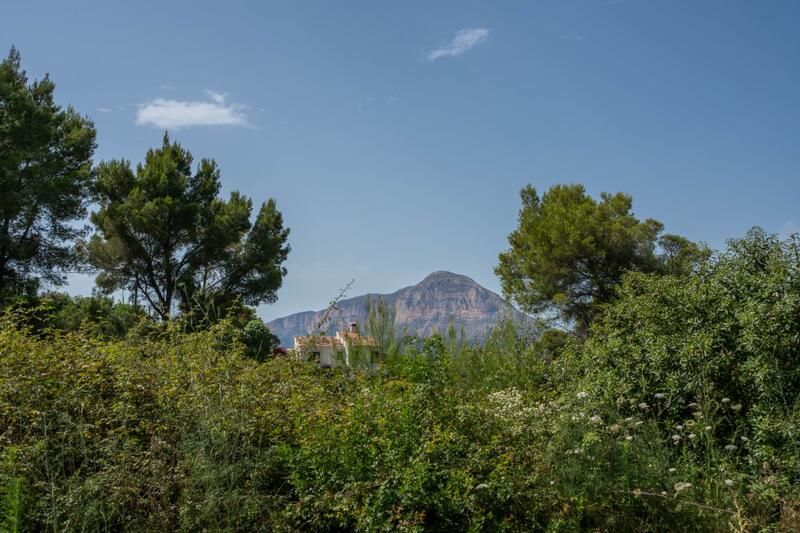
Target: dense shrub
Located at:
point(724, 342)
point(678, 413)
point(101, 315)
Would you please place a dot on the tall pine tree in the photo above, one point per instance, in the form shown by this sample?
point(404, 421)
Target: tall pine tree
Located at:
point(166, 235)
point(45, 173)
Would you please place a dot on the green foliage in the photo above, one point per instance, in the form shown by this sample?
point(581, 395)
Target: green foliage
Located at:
point(258, 339)
point(153, 434)
point(726, 339)
point(45, 172)
point(167, 236)
point(12, 496)
point(381, 327)
point(99, 315)
point(678, 413)
point(570, 251)
point(107, 319)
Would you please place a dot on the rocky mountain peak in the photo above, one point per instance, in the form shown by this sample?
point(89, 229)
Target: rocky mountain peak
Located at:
point(430, 305)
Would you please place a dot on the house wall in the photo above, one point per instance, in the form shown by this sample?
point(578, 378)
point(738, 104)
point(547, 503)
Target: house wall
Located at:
point(345, 354)
point(361, 356)
point(327, 355)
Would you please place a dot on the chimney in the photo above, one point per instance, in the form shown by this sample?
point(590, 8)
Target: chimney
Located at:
point(353, 327)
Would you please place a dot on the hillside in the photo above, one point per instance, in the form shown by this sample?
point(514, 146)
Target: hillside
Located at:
point(422, 308)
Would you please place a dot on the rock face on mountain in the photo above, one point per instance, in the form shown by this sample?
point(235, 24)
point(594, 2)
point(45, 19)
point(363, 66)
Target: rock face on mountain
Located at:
point(420, 309)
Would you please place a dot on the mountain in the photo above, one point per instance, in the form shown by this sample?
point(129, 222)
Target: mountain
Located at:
point(422, 308)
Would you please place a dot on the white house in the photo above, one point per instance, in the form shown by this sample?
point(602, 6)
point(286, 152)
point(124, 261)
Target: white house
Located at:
point(346, 348)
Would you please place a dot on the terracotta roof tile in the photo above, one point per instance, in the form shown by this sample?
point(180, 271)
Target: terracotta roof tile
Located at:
point(334, 341)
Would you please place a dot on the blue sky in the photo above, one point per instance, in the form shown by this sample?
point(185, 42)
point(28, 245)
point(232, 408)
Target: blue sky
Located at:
point(396, 136)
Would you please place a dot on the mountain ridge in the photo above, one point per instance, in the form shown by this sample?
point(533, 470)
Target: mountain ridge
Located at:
point(429, 305)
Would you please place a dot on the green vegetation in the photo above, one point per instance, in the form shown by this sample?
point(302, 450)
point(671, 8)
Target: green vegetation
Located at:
point(679, 412)
point(673, 403)
point(167, 236)
point(570, 251)
point(45, 173)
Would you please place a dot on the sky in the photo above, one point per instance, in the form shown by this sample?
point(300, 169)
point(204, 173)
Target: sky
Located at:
point(396, 136)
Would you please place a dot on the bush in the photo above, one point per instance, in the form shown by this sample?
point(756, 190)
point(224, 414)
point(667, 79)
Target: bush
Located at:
point(57, 311)
point(258, 339)
point(677, 413)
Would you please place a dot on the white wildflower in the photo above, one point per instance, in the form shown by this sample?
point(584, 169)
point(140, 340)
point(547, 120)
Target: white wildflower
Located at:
point(697, 414)
point(614, 429)
point(672, 470)
point(682, 486)
point(509, 406)
point(726, 400)
point(737, 407)
point(596, 419)
point(676, 438)
point(692, 435)
point(582, 394)
point(628, 437)
point(729, 482)
point(660, 395)
point(679, 427)
point(730, 447)
point(643, 405)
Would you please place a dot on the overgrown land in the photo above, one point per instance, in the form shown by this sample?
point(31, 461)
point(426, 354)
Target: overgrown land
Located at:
point(657, 389)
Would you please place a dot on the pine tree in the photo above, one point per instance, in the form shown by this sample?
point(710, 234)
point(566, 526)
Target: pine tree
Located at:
point(45, 174)
point(166, 235)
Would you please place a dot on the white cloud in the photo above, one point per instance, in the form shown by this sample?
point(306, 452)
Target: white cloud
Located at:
point(463, 41)
point(217, 97)
point(176, 114)
point(104, 109)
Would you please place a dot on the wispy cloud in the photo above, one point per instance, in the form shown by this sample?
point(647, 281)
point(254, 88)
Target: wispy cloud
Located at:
point(217, 97)
point(177, 114)
point(463, 41)
point(166, 87)
point(104, 109)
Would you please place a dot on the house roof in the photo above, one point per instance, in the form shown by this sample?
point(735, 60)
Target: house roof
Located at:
point(316, 340)
point(355, 338)
point(338, 341)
